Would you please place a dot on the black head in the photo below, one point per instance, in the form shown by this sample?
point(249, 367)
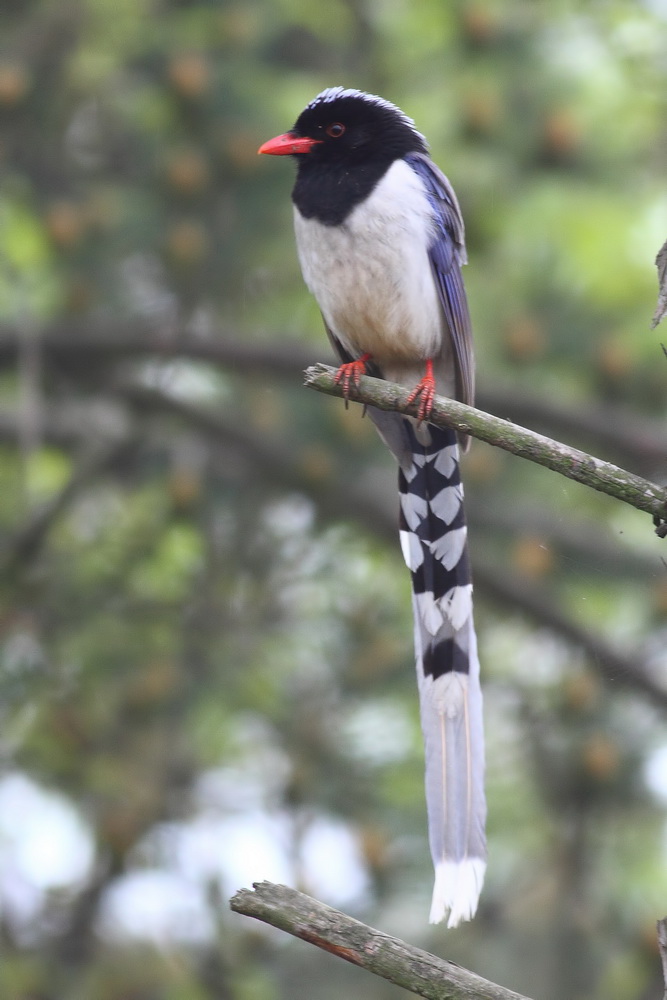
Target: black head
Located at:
point(350, 126)
point(344, 141)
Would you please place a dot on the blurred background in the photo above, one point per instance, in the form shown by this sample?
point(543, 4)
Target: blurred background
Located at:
point(206, 667)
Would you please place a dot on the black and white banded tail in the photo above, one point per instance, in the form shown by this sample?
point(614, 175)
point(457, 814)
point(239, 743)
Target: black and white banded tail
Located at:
point(434, 542)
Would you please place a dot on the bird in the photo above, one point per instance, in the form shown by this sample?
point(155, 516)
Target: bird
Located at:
point(381, 242)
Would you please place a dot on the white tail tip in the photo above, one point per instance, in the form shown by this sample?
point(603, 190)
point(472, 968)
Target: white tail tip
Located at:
point(456, 890)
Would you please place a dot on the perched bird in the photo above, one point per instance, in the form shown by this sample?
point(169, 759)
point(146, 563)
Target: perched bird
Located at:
point(380, 240)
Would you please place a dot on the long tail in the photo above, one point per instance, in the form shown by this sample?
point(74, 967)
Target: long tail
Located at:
point(434, 542)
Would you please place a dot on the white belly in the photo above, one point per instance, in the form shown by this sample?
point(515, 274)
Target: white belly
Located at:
point(372, 278)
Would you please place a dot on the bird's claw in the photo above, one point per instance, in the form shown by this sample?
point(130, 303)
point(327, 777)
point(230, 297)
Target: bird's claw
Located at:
point(425, 391)
point(350, 373)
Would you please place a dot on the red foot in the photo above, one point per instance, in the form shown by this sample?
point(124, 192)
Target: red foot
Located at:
point(350, 373)
point(426, 390)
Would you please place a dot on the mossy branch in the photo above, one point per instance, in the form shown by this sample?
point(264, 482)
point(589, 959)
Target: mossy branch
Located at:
point(576, 465)
point(389, 957)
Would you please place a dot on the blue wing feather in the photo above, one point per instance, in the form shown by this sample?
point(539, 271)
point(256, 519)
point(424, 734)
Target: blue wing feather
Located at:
point(447, 253)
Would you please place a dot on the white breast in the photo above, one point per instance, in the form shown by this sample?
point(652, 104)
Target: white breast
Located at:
point(371, 275)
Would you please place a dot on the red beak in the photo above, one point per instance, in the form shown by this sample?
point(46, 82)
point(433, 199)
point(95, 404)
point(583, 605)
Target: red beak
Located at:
point(284, 145)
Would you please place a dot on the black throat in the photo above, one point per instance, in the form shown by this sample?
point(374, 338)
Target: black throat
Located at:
point(328, 192)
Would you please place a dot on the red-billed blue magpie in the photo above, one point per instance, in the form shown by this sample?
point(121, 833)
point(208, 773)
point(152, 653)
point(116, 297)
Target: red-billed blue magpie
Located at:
point(380, 239)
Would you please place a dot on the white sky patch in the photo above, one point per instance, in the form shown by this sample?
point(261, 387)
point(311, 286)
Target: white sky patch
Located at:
point(658, 7)
point(159, 905)
point(43, 840)
point(258, 847)
point(332, 862)
point(45, 844)
point(240, 851)
point(325, 856)
point(20, 899)
point(655, 772)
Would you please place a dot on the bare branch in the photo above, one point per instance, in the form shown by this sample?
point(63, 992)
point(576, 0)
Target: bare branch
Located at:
point(371, 949)
point(570, 462)
point(662, 945)
point(636, 440)
point(661, 264)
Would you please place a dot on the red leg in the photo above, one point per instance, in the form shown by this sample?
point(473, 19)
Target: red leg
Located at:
point(425, 389)
point(351, 372)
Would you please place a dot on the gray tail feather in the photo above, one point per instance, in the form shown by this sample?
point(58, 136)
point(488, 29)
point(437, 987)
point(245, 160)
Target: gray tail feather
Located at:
point(451, 714)
point(434, 542)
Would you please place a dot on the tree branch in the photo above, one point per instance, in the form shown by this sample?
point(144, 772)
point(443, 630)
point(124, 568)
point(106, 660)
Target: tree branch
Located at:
point(662, 944)
point(82, 348)
point(569, 462)
point(371, 949)
point(661, 264)
point(375, 510)
point(637, 440)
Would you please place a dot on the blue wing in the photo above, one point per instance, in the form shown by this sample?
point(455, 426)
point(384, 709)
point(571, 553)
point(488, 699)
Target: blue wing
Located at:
point(447, 253)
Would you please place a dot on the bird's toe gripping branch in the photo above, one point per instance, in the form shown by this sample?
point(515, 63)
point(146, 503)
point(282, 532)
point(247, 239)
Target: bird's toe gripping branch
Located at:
point(350, 373)
point(425, 391)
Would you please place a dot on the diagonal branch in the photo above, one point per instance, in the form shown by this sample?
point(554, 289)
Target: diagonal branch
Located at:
point(374, 510)
point(371, 949)
point(637, 440)
point(570, 462)
point(93, 347)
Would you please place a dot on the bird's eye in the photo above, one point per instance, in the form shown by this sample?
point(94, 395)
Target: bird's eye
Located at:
point(335, 130)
